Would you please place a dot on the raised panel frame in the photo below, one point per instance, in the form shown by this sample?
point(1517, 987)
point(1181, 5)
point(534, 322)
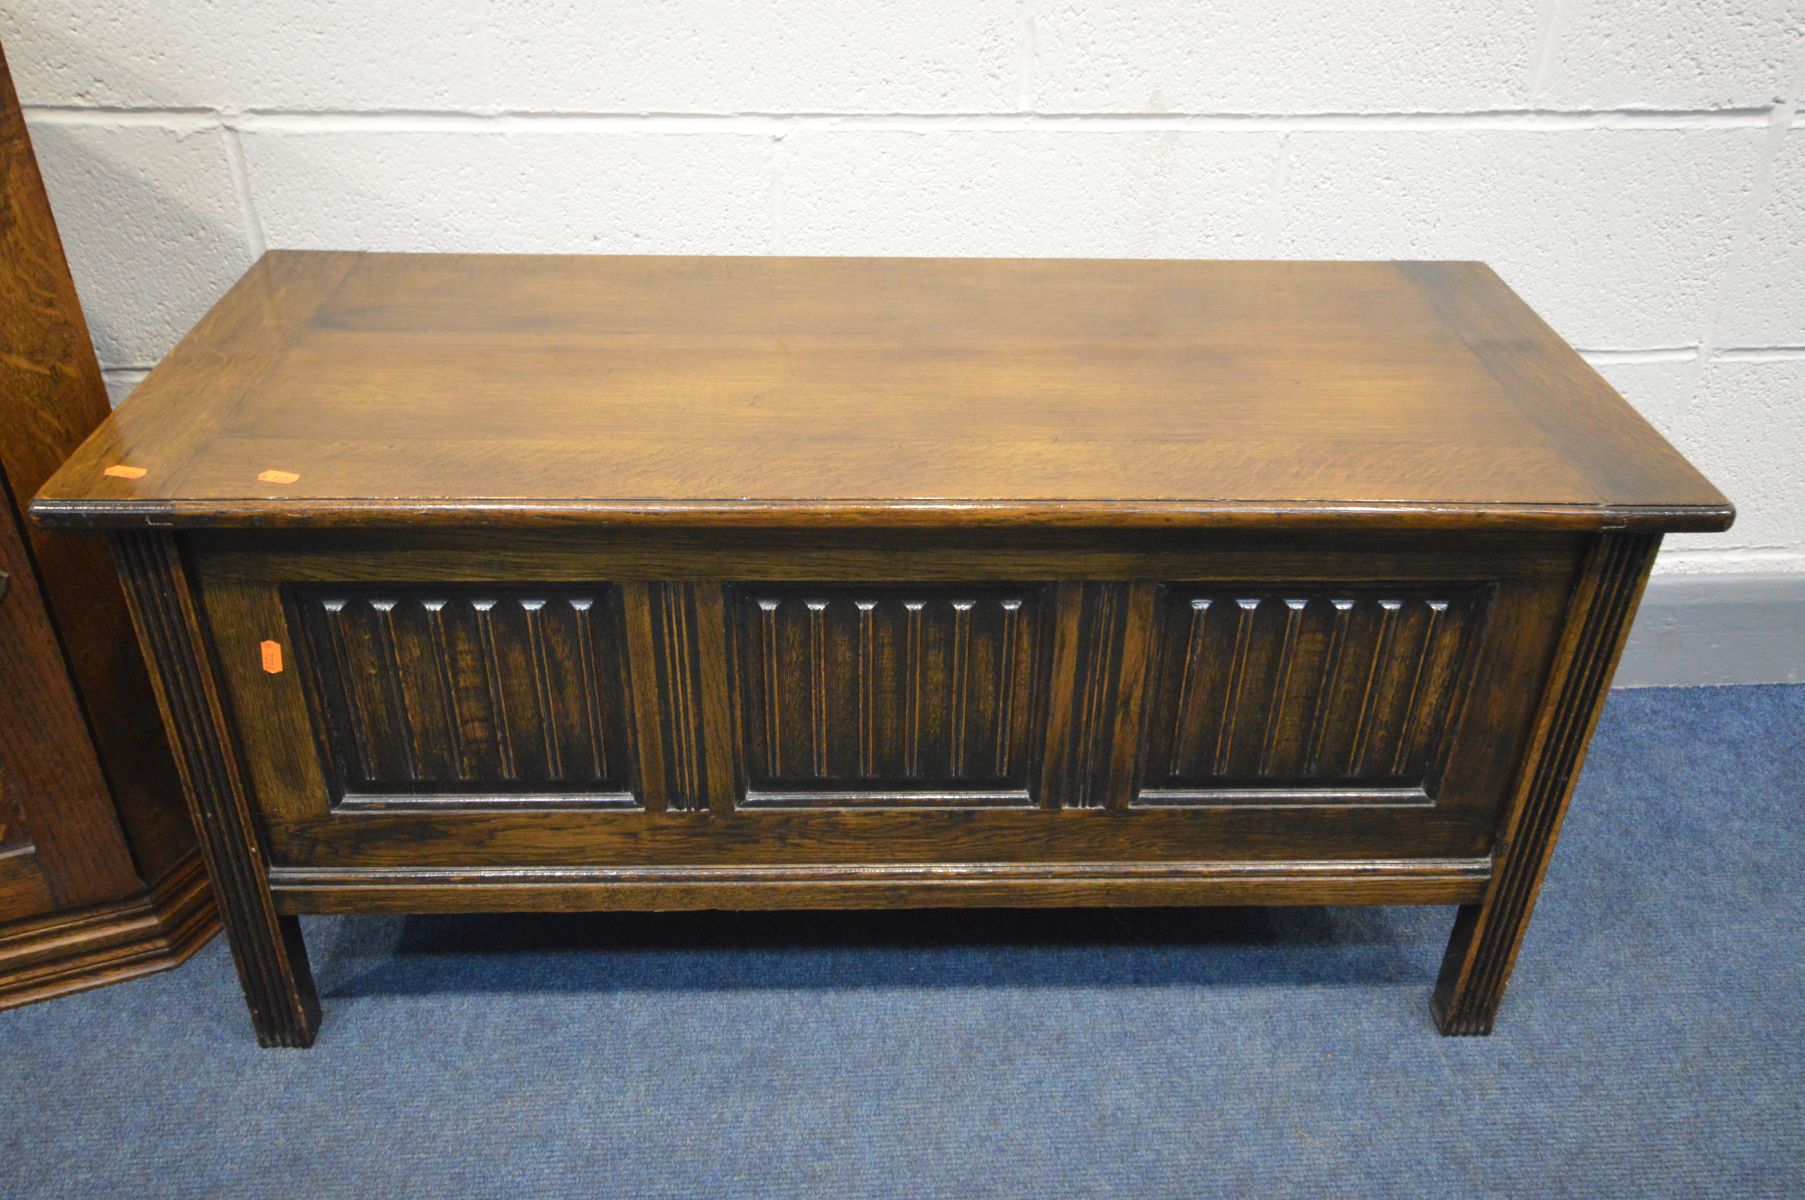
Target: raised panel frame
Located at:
point(836, 686)
point(693, 781)
point(446, 697)
point(1279, 695)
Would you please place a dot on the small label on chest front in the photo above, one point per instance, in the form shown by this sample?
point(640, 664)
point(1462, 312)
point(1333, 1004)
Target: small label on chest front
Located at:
point(272, 657)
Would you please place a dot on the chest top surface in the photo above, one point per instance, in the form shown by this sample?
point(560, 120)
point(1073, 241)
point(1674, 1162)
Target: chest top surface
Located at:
point(340, 389)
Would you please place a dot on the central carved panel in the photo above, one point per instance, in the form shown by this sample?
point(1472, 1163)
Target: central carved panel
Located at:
point(1285, 695)
point(448, 693)
point(888, 696)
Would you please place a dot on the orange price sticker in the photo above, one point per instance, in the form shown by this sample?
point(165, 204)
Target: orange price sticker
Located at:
point(274, 476)
point(272, 657)
point(121, 471)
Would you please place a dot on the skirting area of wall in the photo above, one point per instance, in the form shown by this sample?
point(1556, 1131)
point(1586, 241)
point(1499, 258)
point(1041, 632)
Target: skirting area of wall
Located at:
point(1717, 629)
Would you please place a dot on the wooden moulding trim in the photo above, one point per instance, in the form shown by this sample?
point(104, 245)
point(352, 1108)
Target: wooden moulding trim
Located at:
point(150, 931)
point(476, 889)
point(1142, 514)
point(1471, 985)
point(269, 955)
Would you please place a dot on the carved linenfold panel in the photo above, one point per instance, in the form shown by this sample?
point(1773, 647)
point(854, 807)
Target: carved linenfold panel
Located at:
point(440, 693)
point(931, 690)
point(1271, 689)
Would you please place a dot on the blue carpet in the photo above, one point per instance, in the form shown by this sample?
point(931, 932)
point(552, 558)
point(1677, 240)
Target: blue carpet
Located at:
point(1650, 1045)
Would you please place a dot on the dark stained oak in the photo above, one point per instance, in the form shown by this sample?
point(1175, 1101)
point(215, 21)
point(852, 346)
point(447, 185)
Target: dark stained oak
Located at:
point(99, 879)
point(477, 583)
point(1488, 934)
point(267, 948)
point(932, 689)
point(406, 718)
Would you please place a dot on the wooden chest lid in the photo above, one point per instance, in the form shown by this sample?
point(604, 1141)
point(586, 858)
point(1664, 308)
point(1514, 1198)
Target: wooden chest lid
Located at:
point(345, 389)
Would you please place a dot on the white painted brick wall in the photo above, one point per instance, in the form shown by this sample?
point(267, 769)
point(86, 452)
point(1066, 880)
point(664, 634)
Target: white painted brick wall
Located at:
point(604, 192)
point(1741, 420)
point(1629, 165)
point(985, 192)
point(1324, 56)
point(1617, 237)
point(775, 56)
point(244, 54)
point(152, 223)
point(1764, 302)
point(1671, 54)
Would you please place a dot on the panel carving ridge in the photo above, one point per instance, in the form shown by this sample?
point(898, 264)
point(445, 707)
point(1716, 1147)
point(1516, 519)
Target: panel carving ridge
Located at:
point(773, 711)
point(1418, 675)
point(817, 654)
point(1237, 675)
point(474, 693)
point(1096, 687)
point(391, 669)
point(584, 608)
point(911, 670)
point(484, 611)
point(542, 696)
point(958, 684)
point(1328, 681)
point(1186, 686)
point(1278, 694)
point(681, 693)
point(1369, 694)
point(1275, 712)
point(1005, 686)
point(867, 682)
point(441, 655)
point(886, 694)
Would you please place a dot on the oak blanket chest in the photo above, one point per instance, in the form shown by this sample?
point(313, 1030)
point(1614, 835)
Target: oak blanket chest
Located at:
point(487, 582)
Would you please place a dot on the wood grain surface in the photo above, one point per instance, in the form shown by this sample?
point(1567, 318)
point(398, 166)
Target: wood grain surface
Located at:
point(335, 388)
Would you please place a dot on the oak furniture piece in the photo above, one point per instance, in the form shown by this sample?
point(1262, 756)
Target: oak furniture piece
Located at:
point(478, 583)
point(99, 875)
